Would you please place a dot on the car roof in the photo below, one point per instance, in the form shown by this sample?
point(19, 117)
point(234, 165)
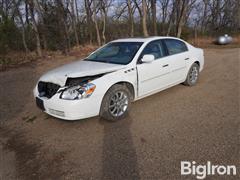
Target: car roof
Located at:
point(144, 39)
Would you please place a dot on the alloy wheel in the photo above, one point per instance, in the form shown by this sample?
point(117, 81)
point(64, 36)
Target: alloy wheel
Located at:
point(118, 103)
point(193, 76)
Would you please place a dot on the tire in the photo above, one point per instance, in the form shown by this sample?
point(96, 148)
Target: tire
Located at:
point(193, 75)
point(118, 97)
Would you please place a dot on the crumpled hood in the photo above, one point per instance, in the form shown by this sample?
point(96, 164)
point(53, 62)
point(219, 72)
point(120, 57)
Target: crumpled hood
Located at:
point(78, 69)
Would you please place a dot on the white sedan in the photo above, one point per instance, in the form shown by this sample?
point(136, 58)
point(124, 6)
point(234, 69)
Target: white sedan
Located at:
point(122, 71)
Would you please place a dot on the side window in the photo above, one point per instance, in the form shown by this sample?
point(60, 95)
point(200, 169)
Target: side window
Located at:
point(155, 48)
point(175, 46)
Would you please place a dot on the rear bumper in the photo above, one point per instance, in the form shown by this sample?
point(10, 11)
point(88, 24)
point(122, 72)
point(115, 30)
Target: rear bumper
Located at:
point(70, 109)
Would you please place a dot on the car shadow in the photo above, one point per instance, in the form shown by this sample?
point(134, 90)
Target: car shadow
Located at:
point(119, 155)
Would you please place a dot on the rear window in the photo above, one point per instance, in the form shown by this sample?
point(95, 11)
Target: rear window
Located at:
point(175, 46)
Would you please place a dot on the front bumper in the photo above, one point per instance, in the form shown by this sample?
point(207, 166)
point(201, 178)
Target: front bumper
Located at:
point(70, 109)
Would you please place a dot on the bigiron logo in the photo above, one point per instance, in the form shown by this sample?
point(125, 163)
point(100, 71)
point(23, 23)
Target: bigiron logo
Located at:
point(208, 169)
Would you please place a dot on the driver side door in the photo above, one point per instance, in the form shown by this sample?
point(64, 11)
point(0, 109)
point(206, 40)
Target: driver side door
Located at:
point(153, 76)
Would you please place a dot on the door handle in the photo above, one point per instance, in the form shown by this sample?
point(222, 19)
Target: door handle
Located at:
point(186, 59)
point(165, 65)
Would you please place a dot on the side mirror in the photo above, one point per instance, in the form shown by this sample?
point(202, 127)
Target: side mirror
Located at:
point(148, 58)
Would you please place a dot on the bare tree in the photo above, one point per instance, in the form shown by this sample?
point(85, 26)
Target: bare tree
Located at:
point(63, 20)
point(35, 28)
point(95, 22)
point(139, 9)
point(74, 20)
point(164, 13)
point(154, 16)
point(60, 24)
point(104, 5)
point(181, 15)
point(17, 3)
point(76, 10)
point(236, 20)
point(136, 3)
point(204, 17)
point(215, 8)
point(26, 12)
point(40, 13)
point(144, 18)
point(131, 20)
point(89, 13)
point(172, 19)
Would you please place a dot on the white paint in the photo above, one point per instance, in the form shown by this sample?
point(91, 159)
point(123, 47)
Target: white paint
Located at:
point(146, 78)
point(202, 171)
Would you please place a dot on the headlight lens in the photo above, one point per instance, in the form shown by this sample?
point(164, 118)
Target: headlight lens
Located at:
point(78, 92)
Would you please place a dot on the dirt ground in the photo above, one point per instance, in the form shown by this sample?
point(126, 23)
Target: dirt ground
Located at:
point(199, 123)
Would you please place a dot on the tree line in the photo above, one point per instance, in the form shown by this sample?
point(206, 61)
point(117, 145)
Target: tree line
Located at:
point(42, 25)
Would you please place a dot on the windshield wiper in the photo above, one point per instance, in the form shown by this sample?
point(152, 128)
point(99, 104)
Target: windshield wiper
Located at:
point(103, 61)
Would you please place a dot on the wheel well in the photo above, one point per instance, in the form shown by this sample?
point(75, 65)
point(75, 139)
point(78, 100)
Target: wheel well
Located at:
point(129, 86)
point(198, 63)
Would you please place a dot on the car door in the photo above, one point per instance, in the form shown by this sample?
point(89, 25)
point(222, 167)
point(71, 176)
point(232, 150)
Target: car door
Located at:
point(178, 55)
point(155, 75)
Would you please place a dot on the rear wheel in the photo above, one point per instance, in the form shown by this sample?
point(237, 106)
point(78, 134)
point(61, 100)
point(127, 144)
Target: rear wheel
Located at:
point(116, 103)
point(192, 76)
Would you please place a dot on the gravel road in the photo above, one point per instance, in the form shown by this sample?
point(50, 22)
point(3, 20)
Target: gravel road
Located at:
point(199, 123)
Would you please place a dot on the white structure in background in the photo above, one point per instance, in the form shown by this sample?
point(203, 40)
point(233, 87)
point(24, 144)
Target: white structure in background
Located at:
point(223, 40)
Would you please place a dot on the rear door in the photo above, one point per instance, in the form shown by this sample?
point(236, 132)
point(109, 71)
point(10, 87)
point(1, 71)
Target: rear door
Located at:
point(178, 55)
point(155, 75)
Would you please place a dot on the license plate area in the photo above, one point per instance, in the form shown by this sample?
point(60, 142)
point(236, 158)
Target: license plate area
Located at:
point(40, 104)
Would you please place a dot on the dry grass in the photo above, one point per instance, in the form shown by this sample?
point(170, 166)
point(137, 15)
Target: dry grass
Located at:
point(208, 42)
point(16, 59)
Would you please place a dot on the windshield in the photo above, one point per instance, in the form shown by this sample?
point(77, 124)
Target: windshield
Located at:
point(116, 53)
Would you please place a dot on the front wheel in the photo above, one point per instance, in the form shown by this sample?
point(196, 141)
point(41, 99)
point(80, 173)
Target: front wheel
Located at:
point(192, 76)
point(116, 103)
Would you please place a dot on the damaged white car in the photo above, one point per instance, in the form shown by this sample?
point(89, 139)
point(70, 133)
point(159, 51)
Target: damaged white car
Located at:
point(122, 71)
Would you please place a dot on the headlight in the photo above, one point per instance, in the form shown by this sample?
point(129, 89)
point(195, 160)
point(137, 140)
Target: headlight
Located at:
point(78, 92)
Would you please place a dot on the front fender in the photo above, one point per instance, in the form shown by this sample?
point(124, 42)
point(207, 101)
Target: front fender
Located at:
point(104, 83)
